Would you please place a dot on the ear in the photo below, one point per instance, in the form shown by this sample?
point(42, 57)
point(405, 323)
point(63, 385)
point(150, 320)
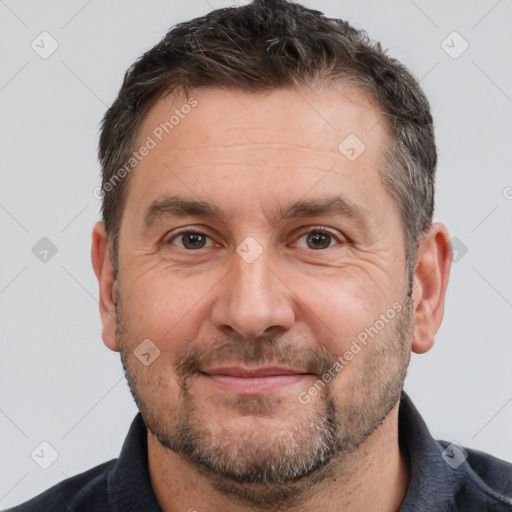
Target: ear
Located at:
point(104, 272)
point(432, 270)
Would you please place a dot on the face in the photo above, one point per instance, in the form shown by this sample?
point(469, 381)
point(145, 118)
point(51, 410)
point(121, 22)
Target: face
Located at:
point(263, 259)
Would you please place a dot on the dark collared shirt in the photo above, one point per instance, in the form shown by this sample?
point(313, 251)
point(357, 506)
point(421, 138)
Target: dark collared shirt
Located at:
point(444, 477)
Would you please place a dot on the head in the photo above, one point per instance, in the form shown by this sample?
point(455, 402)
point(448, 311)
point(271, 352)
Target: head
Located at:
point(268, 179)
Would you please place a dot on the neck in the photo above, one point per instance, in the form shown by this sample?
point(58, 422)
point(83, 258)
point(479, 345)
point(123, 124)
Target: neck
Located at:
point(376, 473)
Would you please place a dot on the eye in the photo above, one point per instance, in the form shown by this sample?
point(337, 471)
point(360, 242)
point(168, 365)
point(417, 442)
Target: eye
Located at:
point(190, 240)
point(318, 238)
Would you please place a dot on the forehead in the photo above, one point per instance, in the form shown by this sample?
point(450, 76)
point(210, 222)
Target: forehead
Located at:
point(308, 116)
point(218, 139)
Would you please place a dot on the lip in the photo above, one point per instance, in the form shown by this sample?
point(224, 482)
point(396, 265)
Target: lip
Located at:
point(242, 371)
point(245, 380)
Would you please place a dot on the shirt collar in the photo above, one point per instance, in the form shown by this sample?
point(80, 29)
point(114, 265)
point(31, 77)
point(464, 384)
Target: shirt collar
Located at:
point(428, 471)
point(129, 484)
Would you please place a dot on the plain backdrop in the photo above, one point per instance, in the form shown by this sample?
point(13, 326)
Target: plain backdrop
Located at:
point(60, 385)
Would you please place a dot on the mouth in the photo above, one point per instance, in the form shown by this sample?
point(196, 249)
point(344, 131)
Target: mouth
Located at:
point(244, 380)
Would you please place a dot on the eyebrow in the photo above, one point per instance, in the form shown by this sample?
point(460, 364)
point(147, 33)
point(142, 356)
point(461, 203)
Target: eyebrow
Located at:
point(181, 207)
point(334, 205)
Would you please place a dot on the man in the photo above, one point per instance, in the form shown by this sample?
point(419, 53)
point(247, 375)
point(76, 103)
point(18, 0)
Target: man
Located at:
point(267, 262)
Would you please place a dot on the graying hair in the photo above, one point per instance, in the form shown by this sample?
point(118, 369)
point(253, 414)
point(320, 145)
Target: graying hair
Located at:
point(266, 45)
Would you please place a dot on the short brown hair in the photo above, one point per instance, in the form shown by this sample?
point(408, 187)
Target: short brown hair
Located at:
point(266, 45)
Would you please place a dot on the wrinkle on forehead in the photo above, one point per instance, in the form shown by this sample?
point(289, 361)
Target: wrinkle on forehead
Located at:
point(300, 117)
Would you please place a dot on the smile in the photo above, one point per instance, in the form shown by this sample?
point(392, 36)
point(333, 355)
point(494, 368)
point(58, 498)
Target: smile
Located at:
point(253, 380)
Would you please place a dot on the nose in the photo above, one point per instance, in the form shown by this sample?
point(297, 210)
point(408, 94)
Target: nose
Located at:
point(252, 300)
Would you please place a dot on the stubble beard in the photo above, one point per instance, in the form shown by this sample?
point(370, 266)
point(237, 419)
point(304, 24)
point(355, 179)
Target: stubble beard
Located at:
point(280, 468)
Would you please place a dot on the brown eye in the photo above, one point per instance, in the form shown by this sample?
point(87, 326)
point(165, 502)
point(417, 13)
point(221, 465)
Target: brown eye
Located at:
point(318, 240)
point(190, 240)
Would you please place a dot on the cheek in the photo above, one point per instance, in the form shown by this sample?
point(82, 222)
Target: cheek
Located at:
point(165, 309)
point(339, 308)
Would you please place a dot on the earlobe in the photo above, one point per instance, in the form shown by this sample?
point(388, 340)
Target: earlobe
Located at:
point(103, 269)
point(431, 276)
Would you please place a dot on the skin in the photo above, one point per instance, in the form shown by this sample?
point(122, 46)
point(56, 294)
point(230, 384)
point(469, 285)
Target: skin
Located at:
point(247, 153)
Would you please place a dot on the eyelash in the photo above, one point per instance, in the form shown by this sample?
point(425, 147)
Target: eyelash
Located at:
point(313, 229)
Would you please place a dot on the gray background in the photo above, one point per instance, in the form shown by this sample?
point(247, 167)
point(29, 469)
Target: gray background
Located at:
point(60, 384)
